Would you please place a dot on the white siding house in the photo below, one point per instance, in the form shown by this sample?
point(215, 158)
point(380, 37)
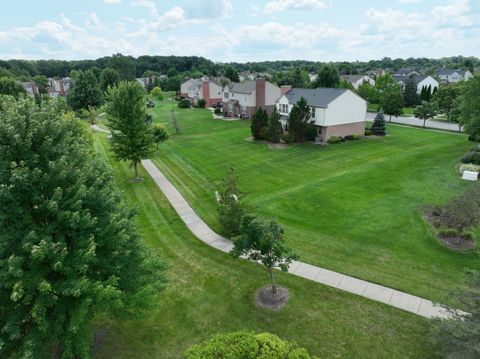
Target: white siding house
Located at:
point(357, 80)
point(452, 76)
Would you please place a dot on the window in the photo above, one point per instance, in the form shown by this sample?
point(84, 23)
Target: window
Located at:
point(225, 94)
point(312, 115)
point(284, 108)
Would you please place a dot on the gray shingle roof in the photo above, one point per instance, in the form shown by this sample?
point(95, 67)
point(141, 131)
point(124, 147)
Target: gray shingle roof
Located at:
point(319, 97)
point(450, 72)
point(352, 78)
point(416, 79)
point(244, 87)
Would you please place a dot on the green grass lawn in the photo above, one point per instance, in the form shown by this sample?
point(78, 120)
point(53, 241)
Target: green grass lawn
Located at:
point(407, 111)
point(209, 292)
point(354, 208)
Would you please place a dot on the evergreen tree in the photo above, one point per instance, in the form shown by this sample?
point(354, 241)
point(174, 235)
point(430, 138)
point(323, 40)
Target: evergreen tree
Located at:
point(109, 77)
point(259, 123)
point(379, 127)
point(132, 140)
point(470, 107)
point(274, 127)
point(69, 247)
point(175, 123)
point(85, 93)
point(428, 93)
point(392, 103)
point(410, 95)
point(299, 124)
point(230, 208)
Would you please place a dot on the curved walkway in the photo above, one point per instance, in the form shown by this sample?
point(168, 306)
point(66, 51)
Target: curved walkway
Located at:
point(389, 296)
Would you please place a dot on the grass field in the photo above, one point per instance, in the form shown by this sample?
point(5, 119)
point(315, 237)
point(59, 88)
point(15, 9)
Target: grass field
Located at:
point(407, 111)
point(353, 208)
point(209, 292)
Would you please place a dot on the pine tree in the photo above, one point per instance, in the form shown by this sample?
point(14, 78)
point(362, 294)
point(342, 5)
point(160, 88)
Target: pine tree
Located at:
point(69, 248)
point(132, 140)
point(274, 127)
point(378, 127)
point(299, 123)
point(410, 95)
point(175, 123)
point(428, 93)
point(259, 123)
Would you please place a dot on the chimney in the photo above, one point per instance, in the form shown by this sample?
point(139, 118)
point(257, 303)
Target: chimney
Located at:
point(260, 90)
point(206, 93)
point(284, 89)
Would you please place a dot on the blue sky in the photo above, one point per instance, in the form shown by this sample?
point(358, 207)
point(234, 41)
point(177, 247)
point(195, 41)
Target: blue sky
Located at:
point(240, 30)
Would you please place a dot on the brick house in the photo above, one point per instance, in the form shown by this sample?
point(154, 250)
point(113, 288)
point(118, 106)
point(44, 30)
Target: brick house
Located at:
point(205, 88)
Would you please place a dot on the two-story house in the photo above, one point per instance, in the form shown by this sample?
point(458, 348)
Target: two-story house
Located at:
point(357, 80)
point(421, 82)
point(205, 88)
point(453, 76)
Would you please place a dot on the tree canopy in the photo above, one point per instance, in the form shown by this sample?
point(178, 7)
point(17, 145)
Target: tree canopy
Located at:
point(392, 103)
point(85, 93)
point(124, 65)
point(8, 86)
point(109, 77)
point(300, 127)
point(327, 77)
point(470, 107)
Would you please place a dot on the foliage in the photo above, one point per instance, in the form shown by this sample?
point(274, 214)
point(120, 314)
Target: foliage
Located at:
point(327, 77)
point(217, 111)
point(160, 133)
point(201, 103)
point(230, 208)
point(8, 86)
point(274, 127)
point(368, 92)
point(176, 123)
point(410, 95)
point(470, 107)
point(426, 93)
point(42, 84)
point(457, 337)
point(344, 84)
point(185, 103)
point(468, 167)
point(231, 74)
point(157, 93)
point(246, 345)
point(124, 65)
point(472, 157)
point(353, 137)
point(85, 93)
point(5, 73)
point(132, 140)
point(258, 123)
point(334, 140)
point(446, 98)
point(69, 247)
point(299, 123)
point(425, 111)
point(392, 103)
point(296, 77)
point(379, 127)
point(262, 241)
point(109, 77)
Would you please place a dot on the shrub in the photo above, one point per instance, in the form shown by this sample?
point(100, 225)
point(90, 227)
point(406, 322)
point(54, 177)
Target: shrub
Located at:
point(201, 103)
point(475, 149)
point(447, 232)
point(157, 93)
point(352, 137)
point(184, 103)
point(468, 167)
point(474, 138)
point(368, 132)
point(378, 127)
point(468, 235)
point(334, 140)
point(286, 138)
point(217, 111)
point(160, 134)
point(471, 157)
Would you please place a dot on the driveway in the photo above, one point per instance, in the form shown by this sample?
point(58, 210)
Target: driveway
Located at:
point(414, 121)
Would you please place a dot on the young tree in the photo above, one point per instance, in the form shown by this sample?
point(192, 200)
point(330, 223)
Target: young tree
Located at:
point(327, 77)
point(132, 139)
point(379, 127)
point(85, 93)
point(470, 107)
point(109, 77)
point(410, 95)
point(368, 93)
point(124, 66)
point(175, 123)
point(160, 134)
point(445, 99)
point(298, 77)
point(274, 127)
point(69, 247)
point(230, 208)
point(299, 124)
point(262, 242)
point(392, 102)
point(259, 123)
point(425, 111)
point(157, 93)
point(458, 336)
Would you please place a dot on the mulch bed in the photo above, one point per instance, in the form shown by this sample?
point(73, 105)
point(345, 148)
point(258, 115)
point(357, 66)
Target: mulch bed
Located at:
point(271, 145)
point(265, 299)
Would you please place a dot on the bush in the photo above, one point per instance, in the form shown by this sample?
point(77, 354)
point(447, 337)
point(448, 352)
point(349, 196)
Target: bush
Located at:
point(448, 232)
point(471, 157)
point(368, 132)
point(184, 103)
point(468, 235)
point(246, 345)
point(475, 149)
point(201, 103)
point(217, 111)
point(334, 140)
point(474, 138)
point(157, 93)
point(287, 138)
point(468, 167)
point(352, 137)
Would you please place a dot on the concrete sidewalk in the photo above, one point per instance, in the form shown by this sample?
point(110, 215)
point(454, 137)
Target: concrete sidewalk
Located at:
point(413, 121)
point(392, 297)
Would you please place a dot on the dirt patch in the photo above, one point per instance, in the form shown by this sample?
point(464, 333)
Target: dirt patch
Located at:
point(271, 145)
point(265, 299)
point(99, 339)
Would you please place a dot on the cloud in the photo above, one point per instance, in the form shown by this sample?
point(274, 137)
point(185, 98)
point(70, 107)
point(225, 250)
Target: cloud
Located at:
point(208, 9)
point(112, 2)
point(409, 1)
point(149, 4)
point(283, 5)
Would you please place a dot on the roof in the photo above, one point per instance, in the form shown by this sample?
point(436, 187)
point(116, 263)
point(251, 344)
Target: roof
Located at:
point(244, 87)
point(405, 71)
point(443, 72)
point(416, 79)
point(353, 78)
point(319, 97)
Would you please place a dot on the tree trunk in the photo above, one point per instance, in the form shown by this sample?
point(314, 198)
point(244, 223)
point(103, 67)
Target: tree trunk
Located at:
point(424, 122)
point(135, 167)
point(272, 281)
point(390, 120)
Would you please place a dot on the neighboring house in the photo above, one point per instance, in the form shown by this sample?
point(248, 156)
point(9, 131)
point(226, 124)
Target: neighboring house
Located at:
point(143, 81)
point(420, 82)
point(452, 76)
point(376, 73)
point(357, 80)
point(243, 99)
point(56, 88)
point(312, 77)
point(406, 72)
point(335, 111)
point(205, 88)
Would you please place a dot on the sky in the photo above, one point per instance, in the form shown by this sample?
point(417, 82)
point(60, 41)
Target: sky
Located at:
point(240, 30)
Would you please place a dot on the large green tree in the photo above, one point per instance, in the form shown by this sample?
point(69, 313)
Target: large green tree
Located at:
point(109, 77)
point(124, 65)
point(327, 77)
point(132, 139)
point(470, 107)
point(230, 73)
point(69, 248)
point(410, 95)
point(85, 93)
point(445, 98)
point(275, 130)
point(425, 111)
point(299, 124)
point(8, 86)
point(392, 103)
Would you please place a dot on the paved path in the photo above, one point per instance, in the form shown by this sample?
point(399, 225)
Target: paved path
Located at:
point(99, 129)
point(413, 121)
point(392, 297)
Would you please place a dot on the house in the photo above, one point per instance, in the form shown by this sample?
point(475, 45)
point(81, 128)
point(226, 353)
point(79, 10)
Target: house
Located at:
point(60, 87)
point(335, 111)
point(205, 88)
point(357, 80)
point(406, 72)
point(243, 99)
point(452, 76)
point(421, 81)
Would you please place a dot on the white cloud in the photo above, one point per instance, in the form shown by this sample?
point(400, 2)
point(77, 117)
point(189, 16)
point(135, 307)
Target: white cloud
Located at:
point(112, 2)
point(455, 12)
point(149, 4)
point(283, 5)
point(409, 1)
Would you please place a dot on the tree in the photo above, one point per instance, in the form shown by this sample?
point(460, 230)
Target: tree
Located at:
point(231, 74)
point(69, 247)
point(457, 337)
point(157, 93)
point(262, 242)
point(175, 123)
point(201, 103)
point(327, 77)
point(74, 74)
point(298, 77)
point(109, 77)
point(299, 124)
point(274, 127)
point(259, 123)
point(230, 208)
point(384, 83)
point(378, 127)
point(445, 99)
point(85, 93)
point(5, 73)
point(410, 95)
point(160, 134)
point(425, 111)
point(368, 93)
point(124, 65)
point(150, 86)
point(172, 72)
point(392, 102)
point(132, 140)
point(42, 84)
point(470, 107)
point(8, 86)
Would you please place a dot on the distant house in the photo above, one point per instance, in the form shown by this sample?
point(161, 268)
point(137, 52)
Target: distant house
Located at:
point(143, 81)
point(56, 87)
point(452, 76)
point(406, 72)
point(205, 88)
point(243, 99)
point(335, 111)
point(421, 82)
point(357, 80)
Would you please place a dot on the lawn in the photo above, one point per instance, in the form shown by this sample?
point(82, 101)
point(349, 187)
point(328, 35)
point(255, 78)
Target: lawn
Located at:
point(407, 111)
point(353, 208)
point(210, 292)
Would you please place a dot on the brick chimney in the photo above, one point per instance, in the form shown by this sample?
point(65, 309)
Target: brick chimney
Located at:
point(62, 88)
point(284, 89)
point(206, 93)
point(260, 90)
